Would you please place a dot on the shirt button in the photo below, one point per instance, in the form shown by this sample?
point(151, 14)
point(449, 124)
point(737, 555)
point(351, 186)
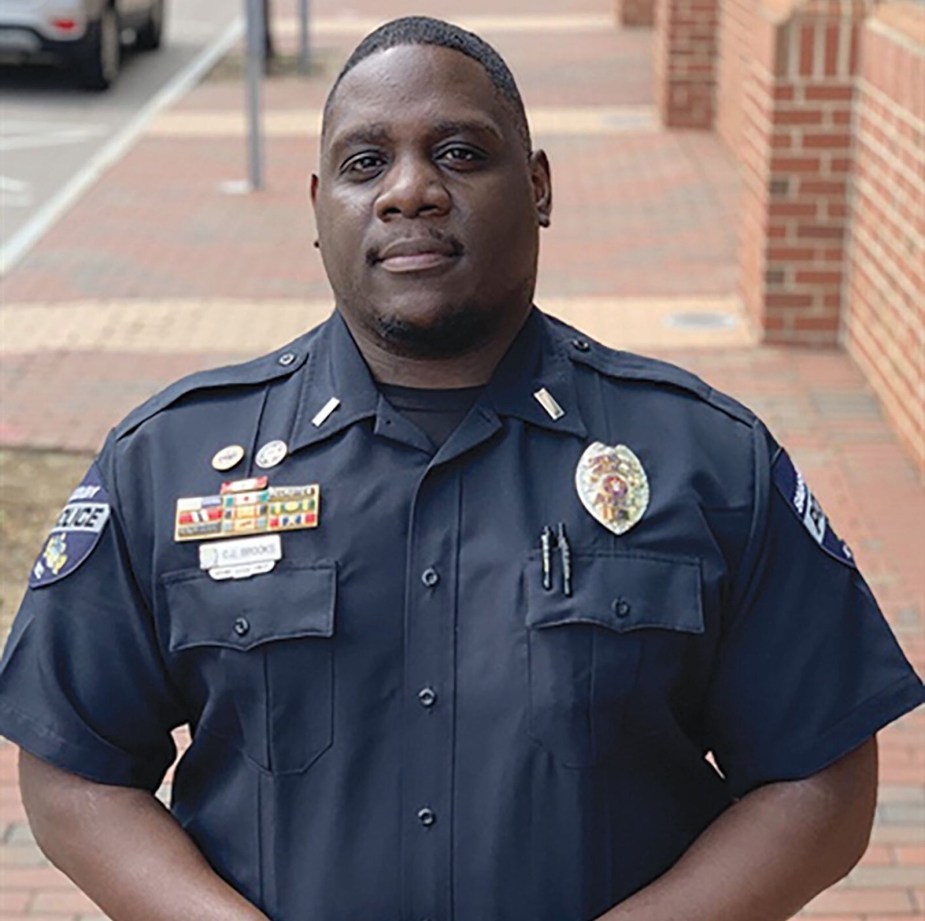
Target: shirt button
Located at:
point(427, 697)
point(286, 359)
point(427, 817)
point(621, 608)
point(582, 345)
point(430, 577)
point(242, 626)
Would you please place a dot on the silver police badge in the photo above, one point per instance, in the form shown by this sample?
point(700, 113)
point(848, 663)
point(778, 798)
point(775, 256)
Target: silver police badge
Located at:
point(612, 486)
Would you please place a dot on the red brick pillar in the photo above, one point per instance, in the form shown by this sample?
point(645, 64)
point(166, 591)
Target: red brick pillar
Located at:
point(797, 155)
point(635, 12)
point(685, 61)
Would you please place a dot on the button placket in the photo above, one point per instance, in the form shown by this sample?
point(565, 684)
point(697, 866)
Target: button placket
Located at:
point(427, 770)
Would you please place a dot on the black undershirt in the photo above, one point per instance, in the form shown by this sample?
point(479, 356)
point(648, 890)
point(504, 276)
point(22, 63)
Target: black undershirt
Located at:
point(436, 412)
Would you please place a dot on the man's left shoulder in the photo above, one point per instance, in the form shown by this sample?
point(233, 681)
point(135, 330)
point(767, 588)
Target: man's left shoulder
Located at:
point(658, 376)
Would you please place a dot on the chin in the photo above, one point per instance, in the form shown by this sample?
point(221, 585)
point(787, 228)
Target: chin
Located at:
point(435, 334)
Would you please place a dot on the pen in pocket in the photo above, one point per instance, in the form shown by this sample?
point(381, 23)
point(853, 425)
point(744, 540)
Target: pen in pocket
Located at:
point(556, 539)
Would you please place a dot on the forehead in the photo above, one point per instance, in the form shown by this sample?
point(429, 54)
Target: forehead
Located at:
point(415, 84)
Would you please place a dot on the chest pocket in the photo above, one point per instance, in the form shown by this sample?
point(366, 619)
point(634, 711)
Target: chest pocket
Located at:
point(257, 654)
point(585, 650)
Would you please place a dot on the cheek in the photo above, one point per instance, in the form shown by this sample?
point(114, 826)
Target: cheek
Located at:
point(343, 216)
point(504, 211)
point(506, 239)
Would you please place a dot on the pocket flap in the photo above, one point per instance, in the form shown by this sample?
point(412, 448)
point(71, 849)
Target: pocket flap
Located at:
point(293, 600)
point(622, 592)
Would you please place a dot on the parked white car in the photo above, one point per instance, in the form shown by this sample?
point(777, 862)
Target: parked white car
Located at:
point(85, 35)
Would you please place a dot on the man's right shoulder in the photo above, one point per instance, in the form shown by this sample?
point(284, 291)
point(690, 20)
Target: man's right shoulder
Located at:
point(243, 377)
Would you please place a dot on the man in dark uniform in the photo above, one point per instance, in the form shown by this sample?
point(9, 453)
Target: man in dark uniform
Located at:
point(471, 617)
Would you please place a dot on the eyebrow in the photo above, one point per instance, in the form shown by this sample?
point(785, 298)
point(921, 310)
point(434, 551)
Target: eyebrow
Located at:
point(379, 132)
point(369, 134)
point(477, 126)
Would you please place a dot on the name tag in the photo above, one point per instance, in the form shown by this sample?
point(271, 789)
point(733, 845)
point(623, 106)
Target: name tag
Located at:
point(241, 558)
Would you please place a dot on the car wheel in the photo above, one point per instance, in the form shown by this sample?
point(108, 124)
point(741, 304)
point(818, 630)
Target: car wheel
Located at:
point(149, 36)
point(101, 55)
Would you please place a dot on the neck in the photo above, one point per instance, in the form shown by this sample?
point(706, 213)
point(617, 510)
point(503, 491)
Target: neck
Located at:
point(470, 369)
point(462, 371)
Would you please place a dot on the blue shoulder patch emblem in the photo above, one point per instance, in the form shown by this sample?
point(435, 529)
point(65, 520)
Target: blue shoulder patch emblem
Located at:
point(806, 507)
point(76, 532)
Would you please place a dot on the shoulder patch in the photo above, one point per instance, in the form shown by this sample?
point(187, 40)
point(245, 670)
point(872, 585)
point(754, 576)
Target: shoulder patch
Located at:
point(76, 532)
point(791, 485)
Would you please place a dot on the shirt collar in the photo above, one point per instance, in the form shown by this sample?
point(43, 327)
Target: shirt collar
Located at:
point(336, 370)
point(536, 361)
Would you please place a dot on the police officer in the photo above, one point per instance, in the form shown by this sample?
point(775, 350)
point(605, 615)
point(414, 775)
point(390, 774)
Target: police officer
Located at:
point(455, 601)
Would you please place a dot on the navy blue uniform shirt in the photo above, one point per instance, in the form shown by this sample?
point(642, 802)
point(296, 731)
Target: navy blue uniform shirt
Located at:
point(412, 716)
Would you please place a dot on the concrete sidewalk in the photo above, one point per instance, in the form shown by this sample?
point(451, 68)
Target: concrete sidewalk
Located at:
point(161, 269)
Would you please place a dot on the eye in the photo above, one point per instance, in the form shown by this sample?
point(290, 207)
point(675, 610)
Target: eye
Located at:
point(460, 155)
point(363, 165)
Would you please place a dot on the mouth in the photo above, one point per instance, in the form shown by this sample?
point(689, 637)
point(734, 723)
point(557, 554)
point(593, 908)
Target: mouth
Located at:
point(418, 254)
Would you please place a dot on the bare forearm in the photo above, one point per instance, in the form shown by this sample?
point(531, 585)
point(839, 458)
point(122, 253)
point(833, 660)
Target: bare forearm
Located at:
point(125, 850)
point(769, 854)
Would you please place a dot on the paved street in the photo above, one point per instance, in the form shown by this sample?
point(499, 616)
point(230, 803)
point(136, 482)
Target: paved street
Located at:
point(53, 134)
point(157, 270)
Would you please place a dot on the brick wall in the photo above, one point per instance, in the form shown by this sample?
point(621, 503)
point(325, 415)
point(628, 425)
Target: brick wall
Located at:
point(635, 12)
point(823, 104)
point(795, 145)
point(685, 61)
point(733, 66)
point(884, 326)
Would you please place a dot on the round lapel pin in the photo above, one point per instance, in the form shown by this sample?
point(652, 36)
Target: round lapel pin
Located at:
point(612, 486)
point(228, 457)
point(271, 454)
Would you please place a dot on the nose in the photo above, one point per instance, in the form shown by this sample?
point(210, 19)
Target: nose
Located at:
point(412, 187)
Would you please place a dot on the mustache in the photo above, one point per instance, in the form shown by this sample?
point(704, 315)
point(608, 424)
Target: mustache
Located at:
point(445, 242)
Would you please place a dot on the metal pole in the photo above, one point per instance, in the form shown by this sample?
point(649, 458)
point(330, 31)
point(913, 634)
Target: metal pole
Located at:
point(255, 64)
point(305, 61)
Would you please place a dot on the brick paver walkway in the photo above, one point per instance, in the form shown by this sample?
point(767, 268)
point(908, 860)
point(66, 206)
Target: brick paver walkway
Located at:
point(158, 271)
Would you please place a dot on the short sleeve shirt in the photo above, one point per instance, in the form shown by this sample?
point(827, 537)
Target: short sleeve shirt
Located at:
point(421, 707)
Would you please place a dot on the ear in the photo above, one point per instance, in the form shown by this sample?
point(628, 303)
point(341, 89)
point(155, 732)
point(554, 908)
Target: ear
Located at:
point(542, 186)
point(313, 189)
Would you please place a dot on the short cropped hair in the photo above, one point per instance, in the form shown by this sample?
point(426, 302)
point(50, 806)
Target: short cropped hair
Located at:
point(423, 30)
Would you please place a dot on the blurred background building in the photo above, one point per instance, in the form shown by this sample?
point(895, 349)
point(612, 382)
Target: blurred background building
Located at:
point(822, 102)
